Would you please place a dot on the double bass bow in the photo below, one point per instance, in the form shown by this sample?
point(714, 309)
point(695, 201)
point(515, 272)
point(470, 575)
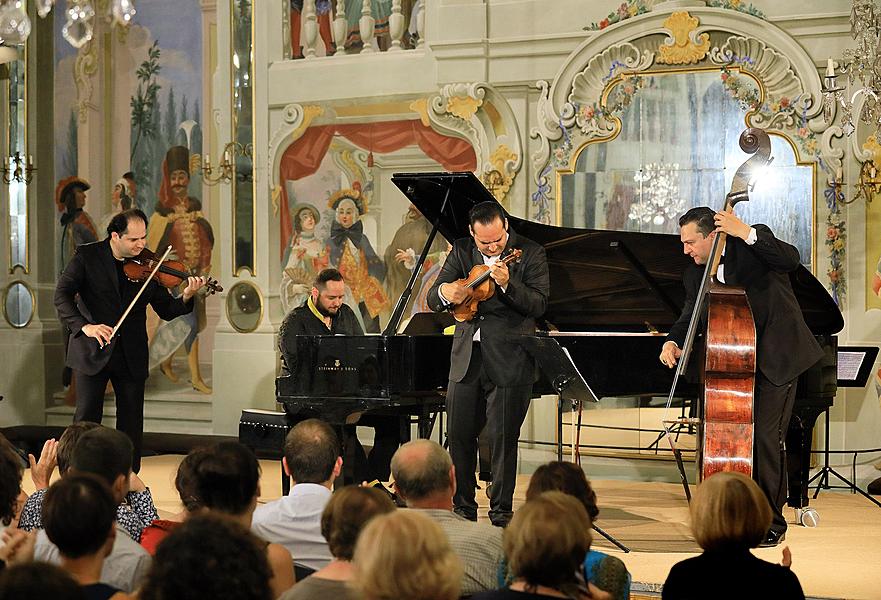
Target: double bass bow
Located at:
point(726, 430)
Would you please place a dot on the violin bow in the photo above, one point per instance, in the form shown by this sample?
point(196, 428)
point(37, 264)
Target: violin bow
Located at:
point(138, 295)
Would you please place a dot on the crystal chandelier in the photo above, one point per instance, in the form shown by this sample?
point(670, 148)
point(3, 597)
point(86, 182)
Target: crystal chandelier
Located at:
point(862, 65)
point(661, 202)
point(15, 26)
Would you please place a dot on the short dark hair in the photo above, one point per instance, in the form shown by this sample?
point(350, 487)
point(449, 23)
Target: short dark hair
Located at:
point(702, 216)
point(10, 481)
point(38, 580)
point(78, 514)
point(346, 514)
point(226, 477)
point(486, 212)
point(103, 451)
point(564, 477)
point(119, 223)
point(311, 449)
point(213, 555)
point(128, 175)
point(69, 437)
point(326, 275)
point(185, 480)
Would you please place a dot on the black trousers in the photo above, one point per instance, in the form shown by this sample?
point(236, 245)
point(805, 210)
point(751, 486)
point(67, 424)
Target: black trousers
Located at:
point(472, 403)
point(773, 409)
point(129, 400)
point(387, 438)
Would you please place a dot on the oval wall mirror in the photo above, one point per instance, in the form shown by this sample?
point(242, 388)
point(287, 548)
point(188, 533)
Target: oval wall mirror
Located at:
point(244, 306)
point(18, 304)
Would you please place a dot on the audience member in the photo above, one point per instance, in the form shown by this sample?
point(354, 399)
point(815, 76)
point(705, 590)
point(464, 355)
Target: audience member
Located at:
point(606, 572)
point(106, 453)
point(729, 515)
point(404, 555)
point(312, 459)
point(227, 482)
point(545, 544)
point(16, 546)
point(38, 580)
point(136, 512)
point(184, 483)
point(78, 513)
point(425, 478)
point(209, 558)
point(348, 511)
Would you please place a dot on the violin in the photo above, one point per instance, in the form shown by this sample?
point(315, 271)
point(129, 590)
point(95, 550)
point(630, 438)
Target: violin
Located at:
point(171, 273)
point(481, 285)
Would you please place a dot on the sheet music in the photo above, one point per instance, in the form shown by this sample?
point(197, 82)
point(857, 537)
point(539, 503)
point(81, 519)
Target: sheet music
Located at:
point(849, 364)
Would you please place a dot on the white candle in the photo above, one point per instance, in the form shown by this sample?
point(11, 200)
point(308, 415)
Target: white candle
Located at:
point(207, 161)
point(839, 175)
point(830, 68)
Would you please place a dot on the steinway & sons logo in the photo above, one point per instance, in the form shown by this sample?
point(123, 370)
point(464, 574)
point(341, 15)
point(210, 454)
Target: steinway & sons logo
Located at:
point(337, 367)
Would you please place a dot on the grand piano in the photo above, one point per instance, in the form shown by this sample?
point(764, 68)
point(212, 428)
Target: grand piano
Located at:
point(613, 295)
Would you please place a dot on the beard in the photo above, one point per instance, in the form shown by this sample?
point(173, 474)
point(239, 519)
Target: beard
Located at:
point(326, 311)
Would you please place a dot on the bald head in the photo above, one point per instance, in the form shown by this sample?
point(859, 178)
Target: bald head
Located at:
point(423, 474)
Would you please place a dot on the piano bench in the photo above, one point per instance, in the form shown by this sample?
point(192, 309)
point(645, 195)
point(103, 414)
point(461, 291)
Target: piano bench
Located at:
point(264, 432)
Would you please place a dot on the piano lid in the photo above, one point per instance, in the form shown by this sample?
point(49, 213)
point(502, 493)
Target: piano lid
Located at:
point(600, 280)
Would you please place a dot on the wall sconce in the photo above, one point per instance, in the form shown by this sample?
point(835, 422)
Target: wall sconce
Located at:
point(227, 168)
point(17, 170)
point(869, 183)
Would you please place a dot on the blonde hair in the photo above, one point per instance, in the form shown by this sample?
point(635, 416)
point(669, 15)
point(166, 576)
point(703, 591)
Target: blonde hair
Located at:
point(406, 555)
point(547, 540)
point(729, 510)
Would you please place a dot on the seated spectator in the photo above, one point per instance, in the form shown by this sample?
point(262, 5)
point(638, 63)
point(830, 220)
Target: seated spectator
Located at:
point(312, 459)
point(135, 512)
point(348, 511)
point(78, 512)
point(730, 515)
point(106, 453)
point(183, 482)
point(545, 544)
point(237, 567)
point(38, 580)
point(606, 572)
point(405, 555)
point(226, 481)
point(425, 478)
point(16, 546)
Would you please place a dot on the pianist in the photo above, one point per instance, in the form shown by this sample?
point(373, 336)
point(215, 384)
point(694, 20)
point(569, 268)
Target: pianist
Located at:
point(491, 375)
point(323, 313)
point(755, 259)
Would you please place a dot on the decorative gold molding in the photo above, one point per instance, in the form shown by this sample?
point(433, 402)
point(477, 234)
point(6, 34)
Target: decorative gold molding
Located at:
point(871, 145)
point(500, 177)
point(682, 47)
point(421, 107)
point(85, 66)
point(310, 113)
point(275, 197)
point(463, 107)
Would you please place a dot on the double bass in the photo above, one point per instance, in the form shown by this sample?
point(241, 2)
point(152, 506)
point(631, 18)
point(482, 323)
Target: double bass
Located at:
point(726, 430)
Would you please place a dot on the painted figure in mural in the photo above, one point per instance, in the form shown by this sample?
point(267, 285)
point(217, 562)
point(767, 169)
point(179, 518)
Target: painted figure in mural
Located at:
point(322, 9)
point(178, 221)
point(132, 189)
point(307, 255)
point(120, 200)
point(876, 287)
point(350, 251)
point(401, 256)
point(77, 227)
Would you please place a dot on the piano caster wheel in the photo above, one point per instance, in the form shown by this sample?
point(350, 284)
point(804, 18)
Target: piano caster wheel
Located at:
point(808, 517)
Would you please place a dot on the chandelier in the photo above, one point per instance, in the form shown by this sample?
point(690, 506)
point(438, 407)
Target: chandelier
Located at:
point(862, 65)
point(15, 26)
point(660, 203)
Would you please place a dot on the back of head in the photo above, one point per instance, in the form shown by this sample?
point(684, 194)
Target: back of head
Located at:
point(226, 477)
point(346, 514)
point(564, 477)
point(547, 539)
point(702, 216)
point(68, 440)
point(185, 479)
point(209, 557)
point(10, 481)
point(420, 469)
point(404, 554)
point(103, 451)
point(38, 580)
point(78, 514)
point(485, 213)
point(311, 450)
point(729, 511)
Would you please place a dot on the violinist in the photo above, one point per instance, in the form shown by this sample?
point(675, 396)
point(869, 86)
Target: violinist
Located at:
point(92, 294)
point(756, 260)
point(491, 375)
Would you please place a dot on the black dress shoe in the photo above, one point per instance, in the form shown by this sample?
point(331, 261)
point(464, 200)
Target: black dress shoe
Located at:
point(772, 539)
point(465, 513)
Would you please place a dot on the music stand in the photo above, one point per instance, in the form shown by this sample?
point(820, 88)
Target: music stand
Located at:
point(557, 365)
point(854, 366)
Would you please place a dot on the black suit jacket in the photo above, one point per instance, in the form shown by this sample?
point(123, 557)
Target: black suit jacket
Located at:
point(785, 347)
point(89, 292)
point(501, 318)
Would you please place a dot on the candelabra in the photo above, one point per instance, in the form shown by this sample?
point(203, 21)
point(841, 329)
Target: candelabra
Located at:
point(227, 168)
point(16, 169)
